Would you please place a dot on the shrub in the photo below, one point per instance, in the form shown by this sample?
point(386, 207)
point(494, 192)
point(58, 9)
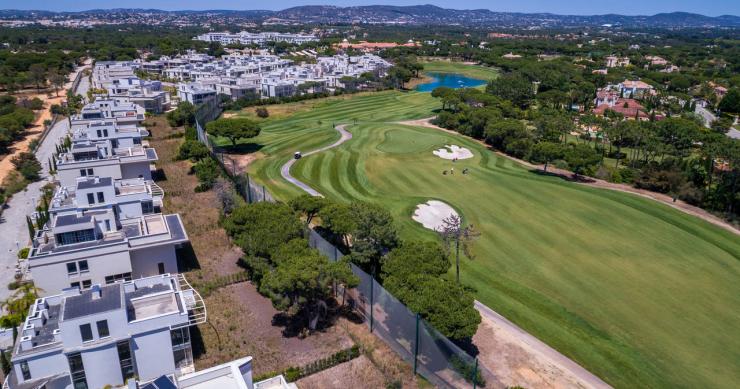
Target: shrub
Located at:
point(192, 150)
point(292, 374)
point(23, 253)
point(27, 164)
point(191, 133)
point(262, 112)
point(466, 370)
point(207, 171)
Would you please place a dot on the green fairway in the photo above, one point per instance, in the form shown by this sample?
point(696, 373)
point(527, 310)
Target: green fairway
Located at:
point(638, 293)
point(472, 71)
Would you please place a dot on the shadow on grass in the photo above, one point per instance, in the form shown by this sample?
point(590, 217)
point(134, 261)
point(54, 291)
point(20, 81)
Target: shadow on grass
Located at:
point(297, 325)
point(187, 260)
point(197, 343)
point(241, 148)
point(159, 175)
point(565, 176)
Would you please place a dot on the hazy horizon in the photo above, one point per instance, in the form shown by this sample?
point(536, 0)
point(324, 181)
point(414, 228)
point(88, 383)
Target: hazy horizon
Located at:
point(574, 7)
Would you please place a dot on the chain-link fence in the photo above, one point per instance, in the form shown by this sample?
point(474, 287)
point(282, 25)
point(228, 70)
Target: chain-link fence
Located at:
point(432, 355)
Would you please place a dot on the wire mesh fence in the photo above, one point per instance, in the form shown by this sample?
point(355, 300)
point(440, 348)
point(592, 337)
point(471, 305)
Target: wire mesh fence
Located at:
point(432, 355)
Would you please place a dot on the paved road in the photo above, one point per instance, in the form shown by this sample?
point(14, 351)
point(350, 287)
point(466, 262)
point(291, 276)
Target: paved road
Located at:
point(285, 170)
point(13, 229)
point(546, 352)
point(706, 115)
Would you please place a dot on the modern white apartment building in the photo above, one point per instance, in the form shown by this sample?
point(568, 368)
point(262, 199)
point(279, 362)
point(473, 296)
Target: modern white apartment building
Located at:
point(100, 158)
point(108, 335)
point(102, 231)
point(260, 38)
point(239, 75)
point(236, 374)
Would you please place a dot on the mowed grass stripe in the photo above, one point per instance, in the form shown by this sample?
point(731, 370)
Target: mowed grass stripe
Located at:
point(637, 292)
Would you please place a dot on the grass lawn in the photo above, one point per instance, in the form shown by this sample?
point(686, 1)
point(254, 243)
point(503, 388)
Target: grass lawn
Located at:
point(637, 292)
point(472, 71)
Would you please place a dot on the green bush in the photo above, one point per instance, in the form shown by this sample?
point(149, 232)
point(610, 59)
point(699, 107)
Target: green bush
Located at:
point(27, 164)
point(23, 253)
point(466, 370)
point(207, 171)
point(192, 150)
point(191, 133)
point(292, 374)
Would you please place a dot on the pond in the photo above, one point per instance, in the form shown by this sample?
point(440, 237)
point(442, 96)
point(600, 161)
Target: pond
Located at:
point(450, 80)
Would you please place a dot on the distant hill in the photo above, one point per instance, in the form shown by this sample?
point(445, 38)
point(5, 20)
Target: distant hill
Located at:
point(415, 14)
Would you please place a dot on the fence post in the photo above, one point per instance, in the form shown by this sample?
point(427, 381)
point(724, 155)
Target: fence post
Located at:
point(372, 284)
point(475, 372)
point(264, 198)
point(416, 345)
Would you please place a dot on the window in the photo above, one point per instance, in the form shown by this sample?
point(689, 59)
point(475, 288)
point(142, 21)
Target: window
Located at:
point(90, 198)
point(107, 225)
point(160, 267)
point(77, 370)
point(147, 207)
point(89, 172)
point(71, 268)
point(105, 133)
point(75, 237)
point(82, 265)
point(124, 358)
point(99, 134)
point(86, 284)
point(102, 328)
point(86, 332)
point(25, 370)
point(180, 337)
point(101, 197)
point(83, 172)
point(118, 278)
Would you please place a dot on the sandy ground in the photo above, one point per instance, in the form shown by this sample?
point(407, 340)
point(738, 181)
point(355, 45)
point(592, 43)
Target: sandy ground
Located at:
point(515, 357)
point(49, 99)
point(357, 373)
point(665, 199)
point(432, 214)
point(453, 152)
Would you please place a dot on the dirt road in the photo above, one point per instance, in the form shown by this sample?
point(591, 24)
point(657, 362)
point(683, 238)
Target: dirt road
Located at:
point(38, 128)
point(518, 358)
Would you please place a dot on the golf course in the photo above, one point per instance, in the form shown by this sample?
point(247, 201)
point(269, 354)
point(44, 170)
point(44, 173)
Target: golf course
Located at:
point(639, 293)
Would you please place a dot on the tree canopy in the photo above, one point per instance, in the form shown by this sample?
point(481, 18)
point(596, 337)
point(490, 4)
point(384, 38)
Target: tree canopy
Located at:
point(234, 129)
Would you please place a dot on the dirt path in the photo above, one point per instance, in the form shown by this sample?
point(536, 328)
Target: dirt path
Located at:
point(518, 358)
point(35, 132)
point(597, 183)
point(285, 169)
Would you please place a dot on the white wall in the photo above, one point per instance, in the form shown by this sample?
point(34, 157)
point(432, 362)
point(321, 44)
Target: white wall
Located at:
point(153, 354)
point(134, 170)
point(102, 366)
point(67, 175)
point(43, 366)
point(53, 277)
point(144, 262)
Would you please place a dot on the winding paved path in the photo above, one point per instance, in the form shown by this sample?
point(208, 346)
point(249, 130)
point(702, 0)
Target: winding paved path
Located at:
point(285, 170)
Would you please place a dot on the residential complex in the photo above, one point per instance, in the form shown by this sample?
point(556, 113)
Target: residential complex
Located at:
point(260, 76)
point(119, 82)
point(259, 38)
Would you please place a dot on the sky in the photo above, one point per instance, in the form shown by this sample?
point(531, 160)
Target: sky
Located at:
point(569, 7)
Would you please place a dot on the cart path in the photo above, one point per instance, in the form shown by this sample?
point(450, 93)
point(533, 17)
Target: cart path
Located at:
point(285, 169)
point(597, 183)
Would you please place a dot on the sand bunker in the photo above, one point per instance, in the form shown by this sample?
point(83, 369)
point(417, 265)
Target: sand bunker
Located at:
point(431, 214)
point(453, 152)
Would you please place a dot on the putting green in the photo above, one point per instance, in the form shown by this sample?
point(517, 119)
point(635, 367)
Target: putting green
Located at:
point(638, 293)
